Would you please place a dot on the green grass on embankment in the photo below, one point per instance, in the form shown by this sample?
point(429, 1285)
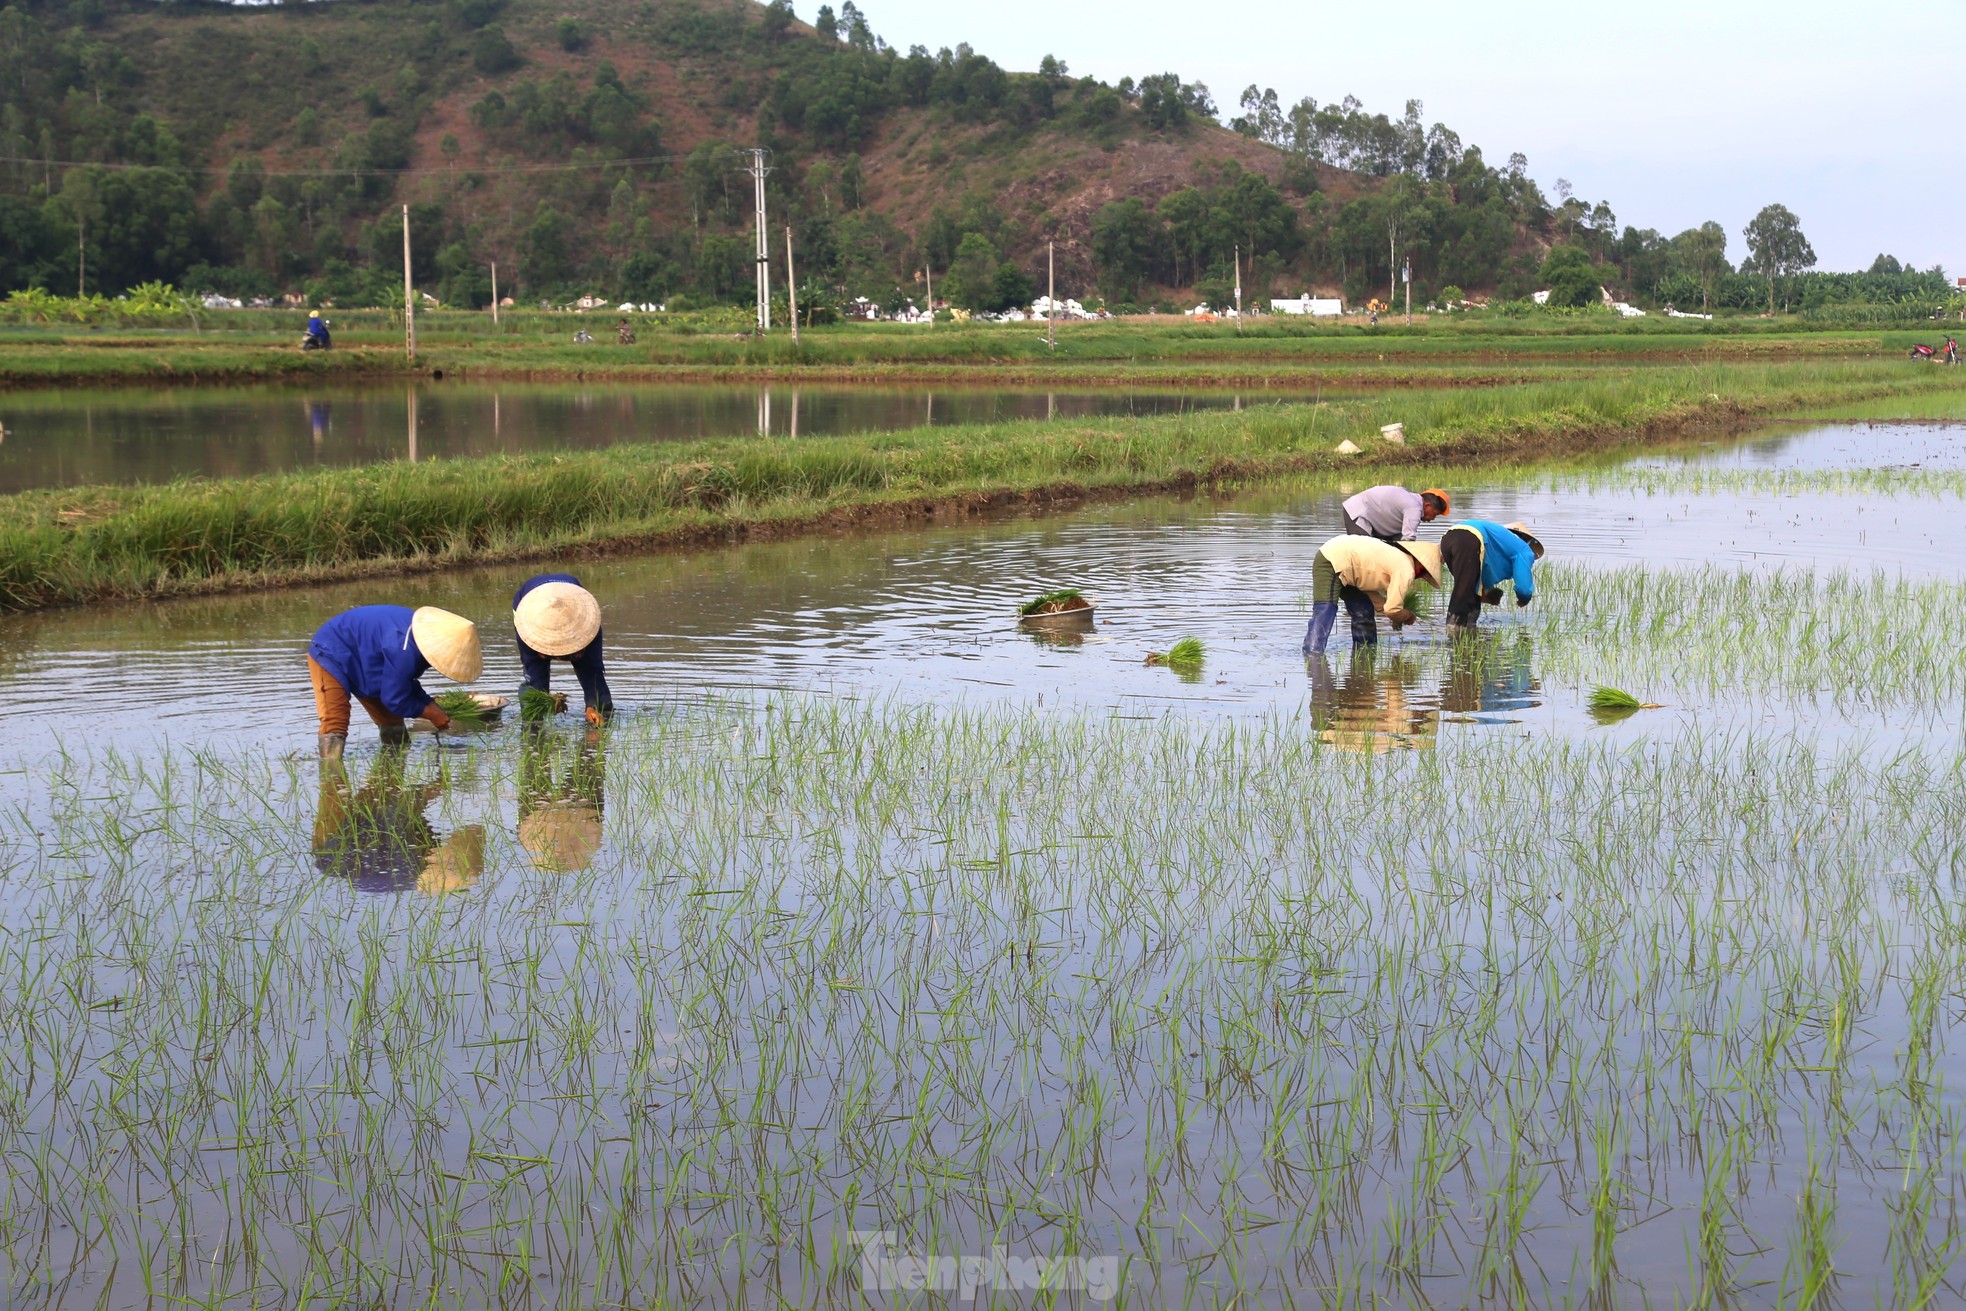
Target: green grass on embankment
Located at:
point(84, 544)
point(262, 345)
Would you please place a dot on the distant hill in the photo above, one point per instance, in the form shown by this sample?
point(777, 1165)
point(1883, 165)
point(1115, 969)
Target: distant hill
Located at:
point(596, 146)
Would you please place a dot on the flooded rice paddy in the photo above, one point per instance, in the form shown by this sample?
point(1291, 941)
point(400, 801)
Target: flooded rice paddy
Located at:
point(875, 930)
point(73, 437)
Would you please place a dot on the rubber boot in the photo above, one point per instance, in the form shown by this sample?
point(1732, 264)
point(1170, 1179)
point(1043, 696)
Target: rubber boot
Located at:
point(1365, 625)
point(1323, 615)
point(394, 735)
point(332, 744)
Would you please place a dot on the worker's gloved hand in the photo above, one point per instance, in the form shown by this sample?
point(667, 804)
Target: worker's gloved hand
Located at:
point(594, 716)
point(437, 718)
point(1521, 601)
point(1399, 616)
point(1493, 596)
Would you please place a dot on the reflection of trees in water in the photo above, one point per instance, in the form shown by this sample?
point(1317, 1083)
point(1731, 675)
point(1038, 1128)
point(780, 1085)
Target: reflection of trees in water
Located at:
point(561, 797)
point(379, 838)
point(1380, 703)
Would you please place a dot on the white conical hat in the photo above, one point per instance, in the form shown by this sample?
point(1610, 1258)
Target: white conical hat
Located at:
point(449, 642)
point(1427, 556)
point(557, 619)
point(1522, 530)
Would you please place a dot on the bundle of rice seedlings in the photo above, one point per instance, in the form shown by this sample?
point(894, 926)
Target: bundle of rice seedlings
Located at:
point(535, 704)
point(1615, 703)
point(1184, 656)
point(463, 708)
point(1611, 698)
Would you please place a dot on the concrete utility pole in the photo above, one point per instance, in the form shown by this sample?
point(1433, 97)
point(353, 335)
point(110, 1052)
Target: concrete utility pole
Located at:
point(758, 170)
point(792, 303)
point(1406, 277)
point(1238, 290)
point(928, 283)
point(409, 300)
point(1050, 300)
point(494, 265)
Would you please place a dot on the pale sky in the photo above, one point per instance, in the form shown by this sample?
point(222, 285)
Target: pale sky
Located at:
point(1675, 112)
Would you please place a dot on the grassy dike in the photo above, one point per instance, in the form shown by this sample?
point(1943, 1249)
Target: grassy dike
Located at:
point(89, 544)
point(261, 347)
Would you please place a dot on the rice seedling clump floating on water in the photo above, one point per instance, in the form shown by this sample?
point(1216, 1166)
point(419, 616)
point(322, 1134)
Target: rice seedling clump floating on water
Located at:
point(1185, 654)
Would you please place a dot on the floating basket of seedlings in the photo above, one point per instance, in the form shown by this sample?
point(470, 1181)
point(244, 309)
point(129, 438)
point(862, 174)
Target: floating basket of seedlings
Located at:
point(1066, 608)
point(467, 709)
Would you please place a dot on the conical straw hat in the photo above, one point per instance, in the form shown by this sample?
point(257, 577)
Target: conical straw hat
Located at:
point(1427, 556)
point(562, 837)
point(449, 642)
point(557, 619)
point(1522, 530)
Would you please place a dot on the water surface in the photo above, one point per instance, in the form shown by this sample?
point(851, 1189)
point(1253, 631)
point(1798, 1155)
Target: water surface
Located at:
point(68, 438)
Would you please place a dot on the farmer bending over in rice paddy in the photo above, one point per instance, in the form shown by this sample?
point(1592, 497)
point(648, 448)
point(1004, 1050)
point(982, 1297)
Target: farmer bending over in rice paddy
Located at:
point(558, 619)
point(1483, 555)
point(1393, 514)
point(377, 654)
point(1366, 575)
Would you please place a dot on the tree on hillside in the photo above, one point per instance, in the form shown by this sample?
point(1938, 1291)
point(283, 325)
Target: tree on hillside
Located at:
point(1124, 236)
point(1702, 251)
point(1780, 250)
point(1571, 275)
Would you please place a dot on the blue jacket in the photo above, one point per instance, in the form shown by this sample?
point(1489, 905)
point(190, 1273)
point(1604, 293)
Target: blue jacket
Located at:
point(317, 328)
point(370, 652)
point(1504, 556)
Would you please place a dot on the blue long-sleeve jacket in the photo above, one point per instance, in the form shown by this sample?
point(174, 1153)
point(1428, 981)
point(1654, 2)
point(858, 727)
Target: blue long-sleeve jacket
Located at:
point(586, 662)
point(370, 652)
point(1504, 556)
point(318, 328)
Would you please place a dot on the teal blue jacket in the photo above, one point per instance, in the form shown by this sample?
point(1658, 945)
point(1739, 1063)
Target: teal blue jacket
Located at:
point(1504, 556)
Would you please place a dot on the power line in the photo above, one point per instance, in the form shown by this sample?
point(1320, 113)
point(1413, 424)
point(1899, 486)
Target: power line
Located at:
point(360, 172)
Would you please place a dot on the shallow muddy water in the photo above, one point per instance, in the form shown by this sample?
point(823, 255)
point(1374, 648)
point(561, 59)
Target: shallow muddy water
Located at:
point(1398, 980)
point(928, 614)
point(68, 438)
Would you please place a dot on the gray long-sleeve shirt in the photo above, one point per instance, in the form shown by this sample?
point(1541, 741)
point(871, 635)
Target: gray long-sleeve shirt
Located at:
point(1388, 511)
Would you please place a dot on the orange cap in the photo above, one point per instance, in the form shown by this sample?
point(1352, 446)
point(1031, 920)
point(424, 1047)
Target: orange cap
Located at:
point(1446, 504)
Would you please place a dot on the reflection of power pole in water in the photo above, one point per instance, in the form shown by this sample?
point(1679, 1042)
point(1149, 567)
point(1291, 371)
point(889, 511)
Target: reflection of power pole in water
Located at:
point(494, 415)
point(764, 411)
point(931, 410)
point(795, 411)
point(1051, 405)
point(412, 425)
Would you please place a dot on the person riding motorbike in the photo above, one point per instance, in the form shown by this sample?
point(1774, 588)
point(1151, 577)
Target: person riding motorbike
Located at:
point(317, 338)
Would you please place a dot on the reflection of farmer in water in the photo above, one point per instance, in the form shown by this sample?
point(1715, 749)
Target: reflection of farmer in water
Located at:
point(378, 838)
point(320, 415)
point(1373, 711)
point(1486, 678)
point(560, 798)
